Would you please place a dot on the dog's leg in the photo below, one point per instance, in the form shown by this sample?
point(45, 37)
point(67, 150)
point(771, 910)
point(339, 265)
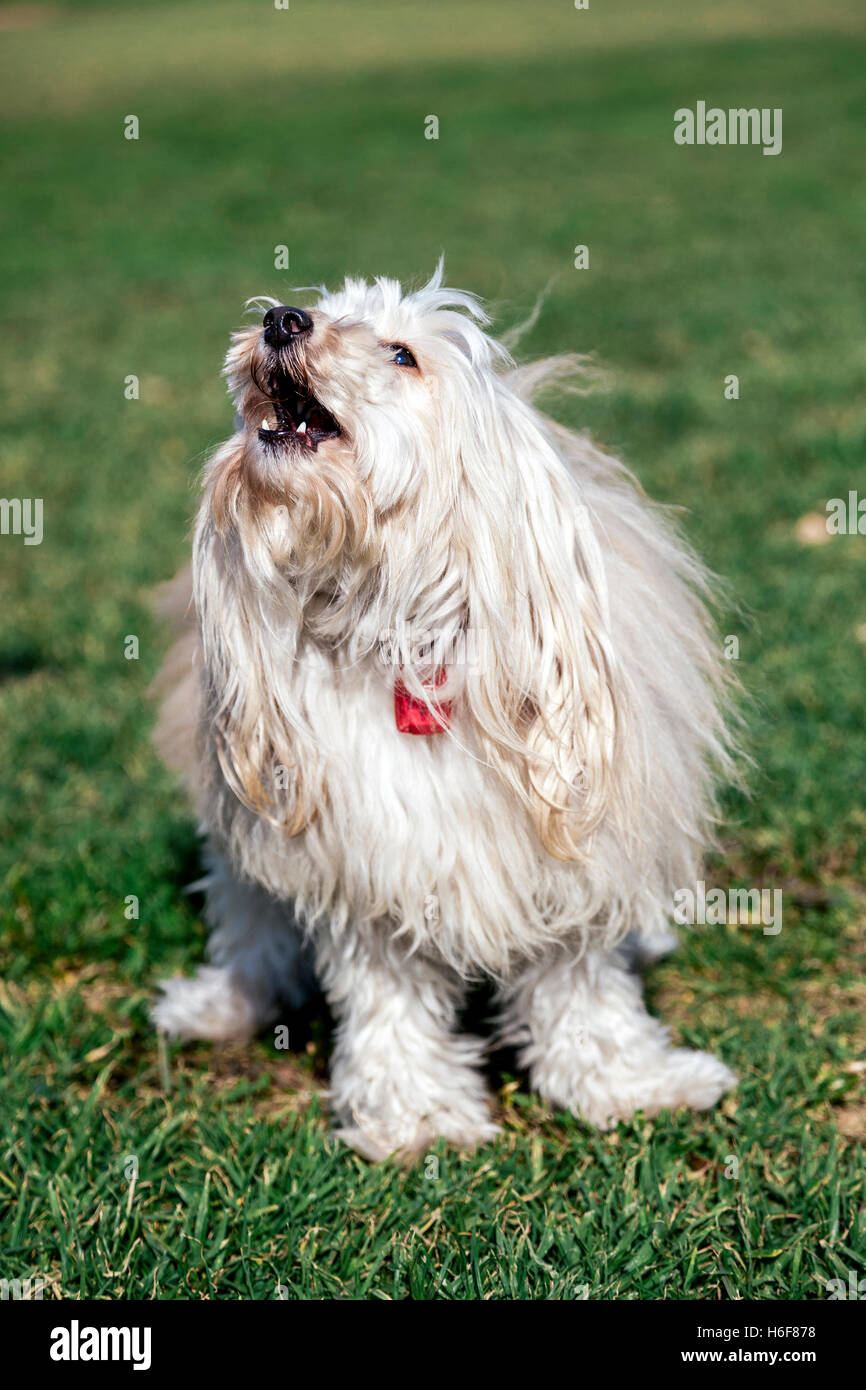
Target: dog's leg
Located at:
point(400, 1076)
point(592, 1048)
point(257, 962)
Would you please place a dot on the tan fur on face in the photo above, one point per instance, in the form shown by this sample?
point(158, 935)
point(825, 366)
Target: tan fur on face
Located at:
point(328, 507)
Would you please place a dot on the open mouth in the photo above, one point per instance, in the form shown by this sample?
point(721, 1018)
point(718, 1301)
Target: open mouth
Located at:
point(295, 416)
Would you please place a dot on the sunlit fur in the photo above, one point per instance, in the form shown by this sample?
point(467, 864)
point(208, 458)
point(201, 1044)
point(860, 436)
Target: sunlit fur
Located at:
point(568, 799)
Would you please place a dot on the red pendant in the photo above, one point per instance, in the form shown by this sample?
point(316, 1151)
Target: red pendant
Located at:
point(414, 717)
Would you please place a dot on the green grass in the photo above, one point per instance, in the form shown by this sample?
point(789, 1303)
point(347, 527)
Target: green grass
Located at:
point(135, 257)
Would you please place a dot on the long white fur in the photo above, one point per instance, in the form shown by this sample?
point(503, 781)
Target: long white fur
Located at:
point(572, 792)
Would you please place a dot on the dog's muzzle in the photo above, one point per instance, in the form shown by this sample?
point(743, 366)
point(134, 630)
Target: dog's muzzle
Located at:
point(298, 418)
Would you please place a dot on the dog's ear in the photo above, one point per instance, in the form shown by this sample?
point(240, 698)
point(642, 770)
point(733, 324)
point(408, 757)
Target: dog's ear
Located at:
point(546, 695)
point(259, 737)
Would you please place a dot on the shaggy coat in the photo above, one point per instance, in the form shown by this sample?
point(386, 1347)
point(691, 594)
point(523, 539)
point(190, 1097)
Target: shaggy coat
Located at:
point(424, 529)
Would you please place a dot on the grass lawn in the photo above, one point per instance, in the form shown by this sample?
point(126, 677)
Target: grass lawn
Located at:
point(306, 128)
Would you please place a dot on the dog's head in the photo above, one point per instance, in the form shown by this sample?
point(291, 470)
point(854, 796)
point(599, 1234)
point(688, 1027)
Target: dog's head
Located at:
point(360, 408)
point(390, 470)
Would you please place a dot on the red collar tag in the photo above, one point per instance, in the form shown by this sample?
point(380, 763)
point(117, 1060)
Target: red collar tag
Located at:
point(414, 717)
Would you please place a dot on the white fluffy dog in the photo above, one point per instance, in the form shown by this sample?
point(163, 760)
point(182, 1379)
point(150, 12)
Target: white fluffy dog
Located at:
point(449, 706)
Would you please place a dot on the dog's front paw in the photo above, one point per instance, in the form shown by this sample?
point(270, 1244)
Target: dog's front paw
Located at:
point(398, 1090)
point(666, 1081)
point(411, 1135)
point(209, 1005)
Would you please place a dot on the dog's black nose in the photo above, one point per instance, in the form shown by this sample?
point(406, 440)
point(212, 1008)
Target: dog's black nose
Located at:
point(284, 323)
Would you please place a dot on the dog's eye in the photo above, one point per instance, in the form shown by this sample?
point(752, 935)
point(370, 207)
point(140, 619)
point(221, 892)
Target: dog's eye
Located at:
point(402, 355)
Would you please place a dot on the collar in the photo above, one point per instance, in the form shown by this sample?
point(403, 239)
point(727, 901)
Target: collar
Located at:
point(414, 716)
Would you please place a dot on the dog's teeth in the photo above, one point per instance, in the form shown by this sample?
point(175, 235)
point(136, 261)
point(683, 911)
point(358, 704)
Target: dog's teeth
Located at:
point(302, 427)
point(265, 425)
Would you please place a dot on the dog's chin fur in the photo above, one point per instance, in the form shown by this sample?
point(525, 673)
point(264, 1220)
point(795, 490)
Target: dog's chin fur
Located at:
point(566, 801)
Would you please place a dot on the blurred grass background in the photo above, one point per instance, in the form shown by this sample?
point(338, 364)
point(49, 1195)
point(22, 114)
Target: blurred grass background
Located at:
point(305, 127)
